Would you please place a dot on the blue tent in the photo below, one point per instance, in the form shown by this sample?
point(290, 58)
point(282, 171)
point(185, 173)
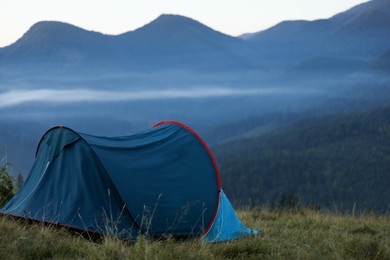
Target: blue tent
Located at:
point(163, 181)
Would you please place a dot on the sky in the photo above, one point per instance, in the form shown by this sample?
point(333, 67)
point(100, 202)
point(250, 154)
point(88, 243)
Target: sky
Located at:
point(233, 17)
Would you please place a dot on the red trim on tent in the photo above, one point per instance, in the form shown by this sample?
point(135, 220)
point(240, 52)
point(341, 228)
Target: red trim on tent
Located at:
point(212, 159)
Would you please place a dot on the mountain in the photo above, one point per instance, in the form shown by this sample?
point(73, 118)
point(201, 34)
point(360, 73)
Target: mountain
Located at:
point(170, 41)
point(349, 40)
point(338, 160)
point(383, 62)
point(361, 9)
point(172, 31)
point(362, 32)
point(366, 35)
point(329, 65)
point(55, 42)
point(289, 41)
point(179, 41)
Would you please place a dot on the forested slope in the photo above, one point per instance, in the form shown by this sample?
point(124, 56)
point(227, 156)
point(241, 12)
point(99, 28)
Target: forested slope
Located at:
point(337, 161)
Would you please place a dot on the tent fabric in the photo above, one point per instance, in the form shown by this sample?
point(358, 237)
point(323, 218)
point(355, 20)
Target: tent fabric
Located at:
point(70, 188)
point(162, 181)
point(227, 225)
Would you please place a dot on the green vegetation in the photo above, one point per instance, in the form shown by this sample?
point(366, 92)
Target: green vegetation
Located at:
point(6, 185)
point(9, 185)
point(286, 234)
point(340, 162)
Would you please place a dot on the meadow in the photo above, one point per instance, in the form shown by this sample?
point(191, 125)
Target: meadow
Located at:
point(285, 234)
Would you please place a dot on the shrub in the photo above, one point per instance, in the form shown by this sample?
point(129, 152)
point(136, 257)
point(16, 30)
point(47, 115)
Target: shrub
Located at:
point(6, 185)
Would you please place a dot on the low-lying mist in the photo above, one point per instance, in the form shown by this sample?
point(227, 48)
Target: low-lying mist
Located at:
point(17, 97)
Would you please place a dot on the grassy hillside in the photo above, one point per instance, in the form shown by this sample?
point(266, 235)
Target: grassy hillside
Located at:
point(285, 234)
point(338, 161)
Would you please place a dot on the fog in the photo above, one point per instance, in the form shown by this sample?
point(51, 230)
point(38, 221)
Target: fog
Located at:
point(18, 97)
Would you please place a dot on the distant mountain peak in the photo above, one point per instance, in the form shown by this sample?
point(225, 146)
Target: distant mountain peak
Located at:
point(50, 24)
point(50, 27)
point(163, 18)
point(178, 26)
point(45, 32)
point(172, 21)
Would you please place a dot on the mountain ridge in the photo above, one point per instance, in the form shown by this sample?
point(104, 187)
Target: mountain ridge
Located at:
point(169, 41)
point(172, 41)
point(360, 32)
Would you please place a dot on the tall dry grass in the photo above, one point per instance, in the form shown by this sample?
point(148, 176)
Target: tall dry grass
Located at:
point(303, 234)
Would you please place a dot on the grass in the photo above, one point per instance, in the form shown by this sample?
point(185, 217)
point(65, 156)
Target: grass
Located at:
point(303, 234)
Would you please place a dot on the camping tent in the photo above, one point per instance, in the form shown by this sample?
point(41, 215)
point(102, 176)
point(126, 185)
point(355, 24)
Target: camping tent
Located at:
point(163, 181)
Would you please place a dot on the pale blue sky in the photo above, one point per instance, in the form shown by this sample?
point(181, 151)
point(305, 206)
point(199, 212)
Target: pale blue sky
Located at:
point(232, 17)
